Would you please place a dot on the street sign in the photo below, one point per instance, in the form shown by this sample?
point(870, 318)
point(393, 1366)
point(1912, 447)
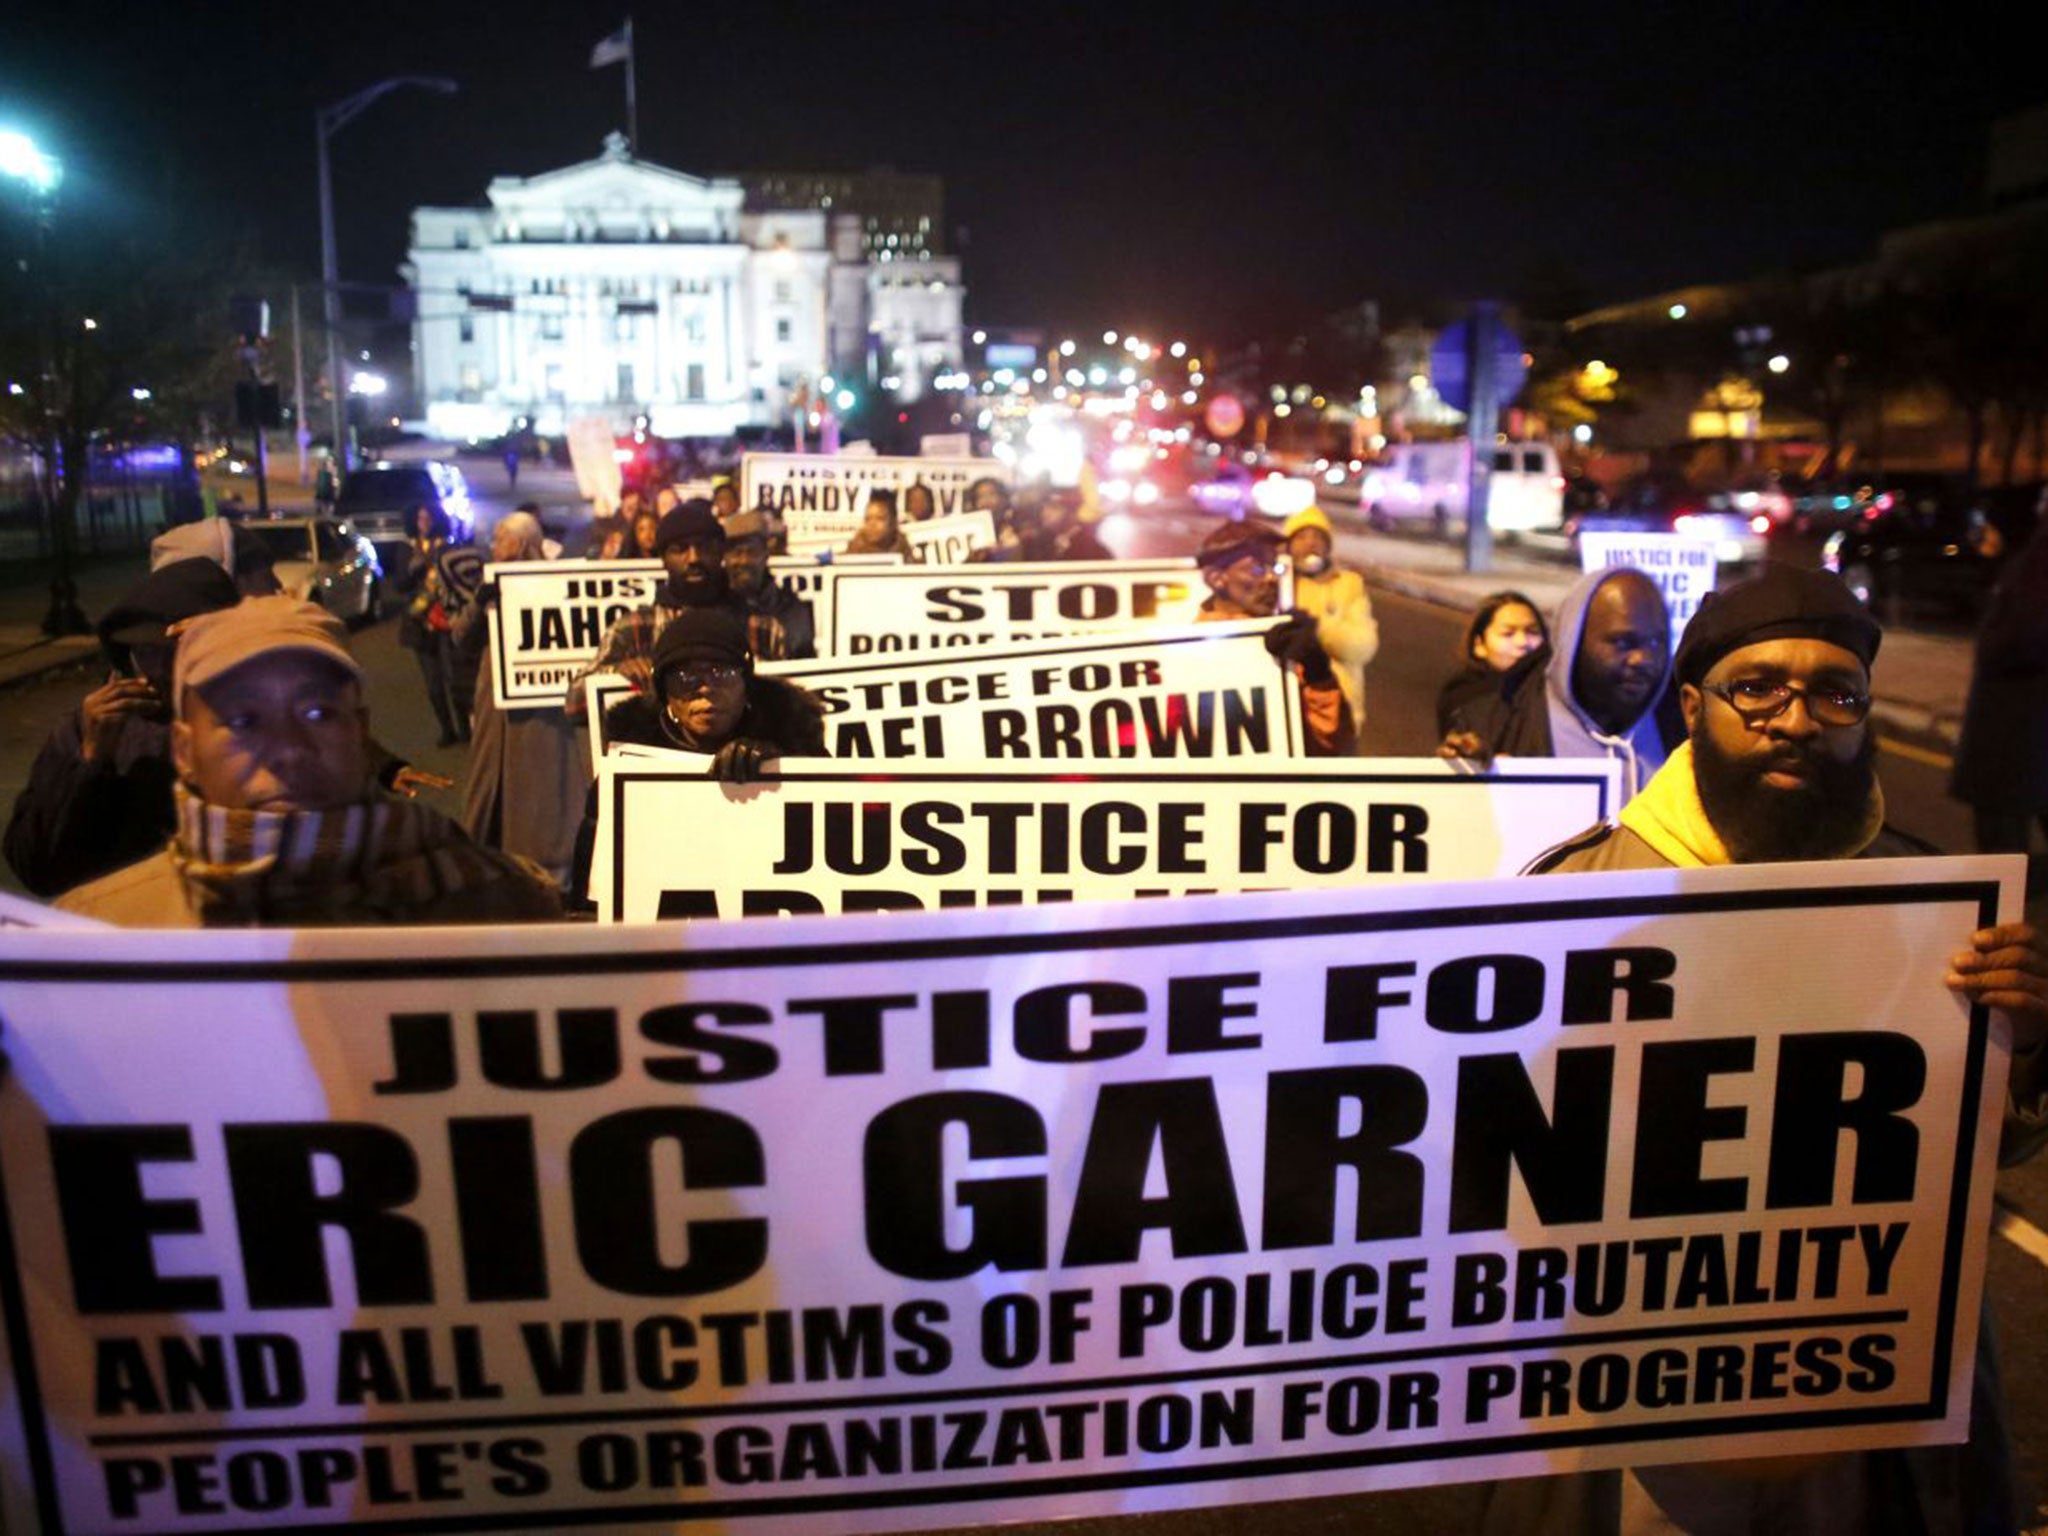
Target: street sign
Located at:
point(1449, 366)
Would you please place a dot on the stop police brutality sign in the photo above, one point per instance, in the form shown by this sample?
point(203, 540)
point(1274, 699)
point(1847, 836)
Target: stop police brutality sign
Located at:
point(939, 1218)
point(910, 608)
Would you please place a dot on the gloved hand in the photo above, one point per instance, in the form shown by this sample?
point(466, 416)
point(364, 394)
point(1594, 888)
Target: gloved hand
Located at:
point(739, 760)
point(1294, 640)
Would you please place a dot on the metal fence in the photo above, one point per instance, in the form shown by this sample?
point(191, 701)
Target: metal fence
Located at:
point(132, 494)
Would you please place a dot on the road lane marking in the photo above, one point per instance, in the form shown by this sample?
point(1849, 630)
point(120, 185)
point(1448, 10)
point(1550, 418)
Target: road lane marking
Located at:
point(2021, 1233)
point(1913, 754)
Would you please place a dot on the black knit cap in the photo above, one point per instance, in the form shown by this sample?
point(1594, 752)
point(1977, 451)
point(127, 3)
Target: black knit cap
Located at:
point(1780, 602)
point(1233, 541)
point(685, 523)
point(699, 635)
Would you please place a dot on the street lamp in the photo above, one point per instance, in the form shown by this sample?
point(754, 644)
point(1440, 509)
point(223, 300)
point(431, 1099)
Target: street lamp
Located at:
point(42, 174)
point(327, 122)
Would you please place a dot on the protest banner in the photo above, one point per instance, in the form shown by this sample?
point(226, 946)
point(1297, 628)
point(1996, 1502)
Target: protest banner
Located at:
point(552, 614)
point(1683, 567)
point(913, 609)
point(946, 445)
point(821, 496)
point(1193, 691)
point(594, 458)
point(675, 844)
point(950, 540)
point(986, 1216)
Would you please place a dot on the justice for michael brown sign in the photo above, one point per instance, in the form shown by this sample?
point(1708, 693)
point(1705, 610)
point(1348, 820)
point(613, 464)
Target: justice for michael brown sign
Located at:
point(673, 843)
point(876, 610)
point(966, 1217)
point(1199, 691)
point(821, 498)
point(552, 614)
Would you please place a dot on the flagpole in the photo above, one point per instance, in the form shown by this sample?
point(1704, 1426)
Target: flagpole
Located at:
point(632, 105)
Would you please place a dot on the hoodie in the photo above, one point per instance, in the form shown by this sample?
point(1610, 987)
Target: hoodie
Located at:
point(1536, 714)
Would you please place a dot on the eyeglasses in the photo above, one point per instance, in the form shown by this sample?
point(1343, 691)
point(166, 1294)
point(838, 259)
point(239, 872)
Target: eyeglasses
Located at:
point(1758, 699)
point(686, 680)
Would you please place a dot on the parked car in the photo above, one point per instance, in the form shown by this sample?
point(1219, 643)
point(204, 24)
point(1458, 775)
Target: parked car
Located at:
point(1933, 548)
point(375, 497)
point(1661, 503)
point(324, 560)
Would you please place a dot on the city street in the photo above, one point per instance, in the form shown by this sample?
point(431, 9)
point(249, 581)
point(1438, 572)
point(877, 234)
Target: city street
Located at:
point(1418, 645)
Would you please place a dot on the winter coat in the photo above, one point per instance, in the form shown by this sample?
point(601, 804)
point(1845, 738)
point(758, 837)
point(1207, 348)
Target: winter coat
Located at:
point(523, 788)
point(1346, 628)
point(2002, 758)
point(1536, 713)
point(779, 713)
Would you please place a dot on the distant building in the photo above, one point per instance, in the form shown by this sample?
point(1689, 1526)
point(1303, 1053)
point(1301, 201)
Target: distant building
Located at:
point(619, 288)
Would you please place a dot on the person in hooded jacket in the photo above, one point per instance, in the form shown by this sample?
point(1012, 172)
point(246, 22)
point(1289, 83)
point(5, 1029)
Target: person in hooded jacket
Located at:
point(1603, 689)
point(706, 698)
point(1334, 596)
point(99, 794)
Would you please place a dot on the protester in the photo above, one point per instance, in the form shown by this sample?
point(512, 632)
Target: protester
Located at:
point(612, 534)
point(2001, 769)
point(706, 698)
point(325, 486)
point(879, 533)
point(234, 548)
point(779, 623)
point(1779, 764)
point(725, 498)
point(442, 578)
point(1042, 523)
point(99, 792)
point(1239, 561)
point(692, 548)
point(990, 495)
point(528, 768)
point(919, 505)
point(1505, 627)
point(1602, 692)
point(278, 820)
point(1334, 595)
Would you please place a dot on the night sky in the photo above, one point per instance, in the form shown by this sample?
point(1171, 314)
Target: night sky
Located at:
point(1202, 169)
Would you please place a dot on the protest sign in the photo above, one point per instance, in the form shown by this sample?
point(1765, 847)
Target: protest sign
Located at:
point(552, 614)
point(1194, 691)
point(913, 609)
point(950, 540)
point(821, 497)
point(1682, 567)
point(985, 1216)
point(594, 458)
point(946, 445)
point(831, 839)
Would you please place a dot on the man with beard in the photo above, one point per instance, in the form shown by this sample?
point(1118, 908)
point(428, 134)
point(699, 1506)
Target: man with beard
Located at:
point(780, 625)
point(1600, 691)
point(1774, 684)
point(1239, 562)
point(691, 545)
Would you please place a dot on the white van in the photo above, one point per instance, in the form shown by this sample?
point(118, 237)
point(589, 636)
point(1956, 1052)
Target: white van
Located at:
point(1430, 480)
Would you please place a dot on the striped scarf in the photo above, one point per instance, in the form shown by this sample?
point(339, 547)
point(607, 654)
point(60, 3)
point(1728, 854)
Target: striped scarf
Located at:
point(382, 860)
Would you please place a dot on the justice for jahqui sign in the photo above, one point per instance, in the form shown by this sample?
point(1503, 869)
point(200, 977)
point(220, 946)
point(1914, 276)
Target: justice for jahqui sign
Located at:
point(988, 1215)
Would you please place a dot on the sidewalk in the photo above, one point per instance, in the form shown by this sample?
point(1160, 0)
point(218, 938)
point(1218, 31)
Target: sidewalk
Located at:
point(1921, 681)
point(25, 651)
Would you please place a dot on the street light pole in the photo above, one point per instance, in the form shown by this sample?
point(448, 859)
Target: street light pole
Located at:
point(327, 122)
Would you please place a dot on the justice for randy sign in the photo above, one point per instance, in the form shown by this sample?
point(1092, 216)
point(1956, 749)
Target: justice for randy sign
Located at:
point(976, 1216)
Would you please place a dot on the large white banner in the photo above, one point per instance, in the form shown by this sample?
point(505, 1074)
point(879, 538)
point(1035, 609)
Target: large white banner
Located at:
point(1682, 566)
point(1194, 691)
point(552, 614)
point(970, 1217)
point(821, 497)
point(673, 843)
point(912, 608)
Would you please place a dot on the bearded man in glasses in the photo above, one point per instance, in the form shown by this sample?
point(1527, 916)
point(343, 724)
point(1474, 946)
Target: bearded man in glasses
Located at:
point(1779, 764)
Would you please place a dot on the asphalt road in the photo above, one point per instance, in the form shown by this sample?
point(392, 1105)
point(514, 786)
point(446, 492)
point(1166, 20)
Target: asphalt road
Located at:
point(1418, 645)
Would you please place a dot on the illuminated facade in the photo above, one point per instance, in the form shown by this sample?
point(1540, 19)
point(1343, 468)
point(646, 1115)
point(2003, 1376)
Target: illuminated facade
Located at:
point(618, 288)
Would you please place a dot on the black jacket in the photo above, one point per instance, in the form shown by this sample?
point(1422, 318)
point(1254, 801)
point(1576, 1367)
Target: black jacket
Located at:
point(781, 714)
